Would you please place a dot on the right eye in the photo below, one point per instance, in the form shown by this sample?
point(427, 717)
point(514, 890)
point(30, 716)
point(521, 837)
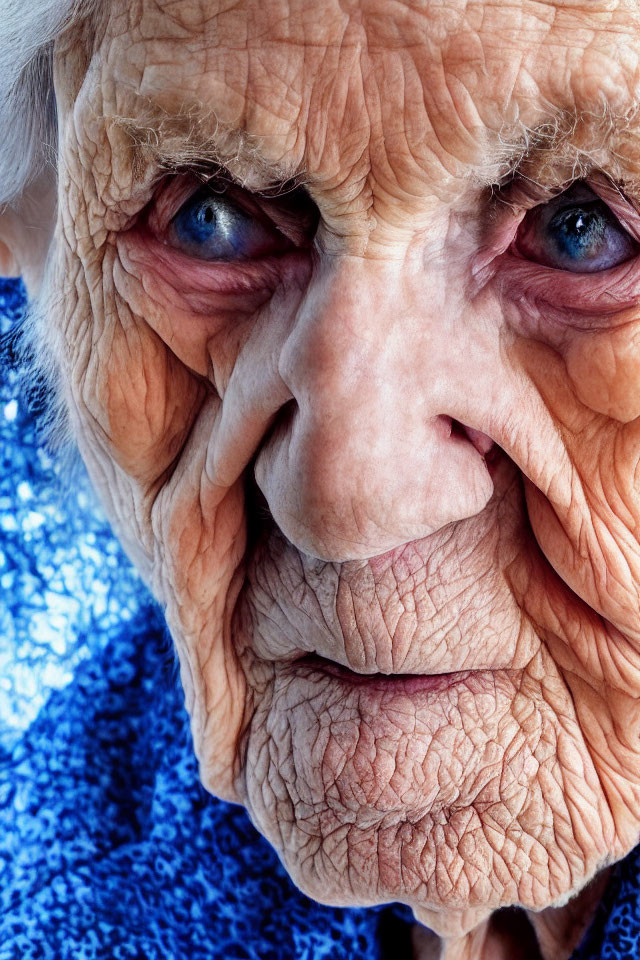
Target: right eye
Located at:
point(210, 226)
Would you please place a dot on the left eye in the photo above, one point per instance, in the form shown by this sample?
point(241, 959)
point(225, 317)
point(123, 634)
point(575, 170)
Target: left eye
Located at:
point(209, 226)
point(575, 231)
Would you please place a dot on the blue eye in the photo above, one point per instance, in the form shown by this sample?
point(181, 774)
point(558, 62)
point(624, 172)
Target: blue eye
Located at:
point(577, 232)
point(209, 226)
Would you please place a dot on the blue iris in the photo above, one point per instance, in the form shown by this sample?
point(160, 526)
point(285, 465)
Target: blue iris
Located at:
point(578, 232)
point(210, 227)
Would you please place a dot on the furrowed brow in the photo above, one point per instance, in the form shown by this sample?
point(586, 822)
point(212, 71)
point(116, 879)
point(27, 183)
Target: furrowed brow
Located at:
point(566, 147)
point(201, 143)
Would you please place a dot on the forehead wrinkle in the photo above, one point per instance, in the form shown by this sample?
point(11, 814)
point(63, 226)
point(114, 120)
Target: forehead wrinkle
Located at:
point(564, 148)
point(196, 136)
point(561, 147)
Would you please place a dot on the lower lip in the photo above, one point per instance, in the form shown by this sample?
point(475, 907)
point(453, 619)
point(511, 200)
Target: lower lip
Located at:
point(401, 683)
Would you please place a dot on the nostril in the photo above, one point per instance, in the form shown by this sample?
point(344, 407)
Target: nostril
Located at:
point(258, 514)
point(481, 441)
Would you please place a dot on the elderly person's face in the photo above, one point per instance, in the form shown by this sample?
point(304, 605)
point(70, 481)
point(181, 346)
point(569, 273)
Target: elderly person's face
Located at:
point(350, 327)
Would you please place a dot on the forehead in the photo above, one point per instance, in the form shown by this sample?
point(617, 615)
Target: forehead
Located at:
point(408, 95)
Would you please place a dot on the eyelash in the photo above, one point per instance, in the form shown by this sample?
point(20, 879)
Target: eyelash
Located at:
point(177, 190)
point(583, 299)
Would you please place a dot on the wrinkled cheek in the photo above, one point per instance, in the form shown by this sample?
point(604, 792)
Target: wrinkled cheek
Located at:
point(604, 369)
point(143, 397)
point(586, 515)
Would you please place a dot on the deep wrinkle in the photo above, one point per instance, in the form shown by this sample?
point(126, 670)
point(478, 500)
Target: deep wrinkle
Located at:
point(335, 377)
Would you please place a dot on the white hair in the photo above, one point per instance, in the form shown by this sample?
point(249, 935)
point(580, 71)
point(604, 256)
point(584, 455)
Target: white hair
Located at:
point(28, 144)
point(28, 121)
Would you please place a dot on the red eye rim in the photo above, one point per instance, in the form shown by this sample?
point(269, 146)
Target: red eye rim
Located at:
point(603, 293)
point(529, 240)
point(291, 213)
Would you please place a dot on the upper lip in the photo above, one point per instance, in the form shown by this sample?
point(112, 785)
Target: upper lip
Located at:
point(399, 683)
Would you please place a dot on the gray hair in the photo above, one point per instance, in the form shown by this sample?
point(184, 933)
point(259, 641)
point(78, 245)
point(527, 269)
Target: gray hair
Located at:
point(28, 120)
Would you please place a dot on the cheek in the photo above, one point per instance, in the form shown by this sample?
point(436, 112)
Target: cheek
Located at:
point(151, 402)
point(140, 400)
point(604, 369)
point(186, 325)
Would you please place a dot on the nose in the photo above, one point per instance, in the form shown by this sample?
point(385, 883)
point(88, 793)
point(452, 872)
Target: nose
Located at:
point(364, 458)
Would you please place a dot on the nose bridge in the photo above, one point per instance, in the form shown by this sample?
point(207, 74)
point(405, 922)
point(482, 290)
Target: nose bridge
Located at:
point(344, 352)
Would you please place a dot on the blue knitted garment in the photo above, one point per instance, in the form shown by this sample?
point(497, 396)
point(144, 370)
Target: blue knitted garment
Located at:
point(109, 847)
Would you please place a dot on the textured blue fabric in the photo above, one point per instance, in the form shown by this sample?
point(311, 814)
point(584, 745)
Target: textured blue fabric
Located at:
point(109, 848)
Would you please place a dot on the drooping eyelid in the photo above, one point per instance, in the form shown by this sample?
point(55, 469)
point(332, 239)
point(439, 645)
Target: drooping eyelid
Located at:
point(173, 194)
point(513, 202)
point(274, 215)
point(523, 195)
point(624, 209)
point(508, 207)
point(170, 196)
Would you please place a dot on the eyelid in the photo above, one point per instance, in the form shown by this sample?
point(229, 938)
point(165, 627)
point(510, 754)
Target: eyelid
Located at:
point(512, 202)
point(272, 212)
point(589, 301)
point(524, 195)
point(509, 204)
point(169, 198)
point(181, 187)
point(578, 300)
point(623, 209)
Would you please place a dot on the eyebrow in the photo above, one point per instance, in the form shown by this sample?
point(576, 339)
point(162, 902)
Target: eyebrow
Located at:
point(561, 149)
point(200, 142)
point(573, 144)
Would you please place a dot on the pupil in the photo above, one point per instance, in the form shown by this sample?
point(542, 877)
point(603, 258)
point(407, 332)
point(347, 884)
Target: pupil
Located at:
point(206, 214)
point(577, 231)
point(578, 223)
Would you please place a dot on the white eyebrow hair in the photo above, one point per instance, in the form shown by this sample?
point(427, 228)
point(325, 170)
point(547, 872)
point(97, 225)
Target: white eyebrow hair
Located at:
point(566, 147)
point(196, 139)
point(29, 31)
point(570, 145)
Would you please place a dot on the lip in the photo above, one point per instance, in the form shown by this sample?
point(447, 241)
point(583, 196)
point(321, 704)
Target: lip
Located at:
point(409, 684)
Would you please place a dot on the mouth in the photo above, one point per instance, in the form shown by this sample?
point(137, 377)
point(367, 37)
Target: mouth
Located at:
point(408, 684)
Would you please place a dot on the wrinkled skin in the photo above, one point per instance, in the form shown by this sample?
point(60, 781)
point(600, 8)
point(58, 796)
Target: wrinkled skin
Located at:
point(271, 440)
